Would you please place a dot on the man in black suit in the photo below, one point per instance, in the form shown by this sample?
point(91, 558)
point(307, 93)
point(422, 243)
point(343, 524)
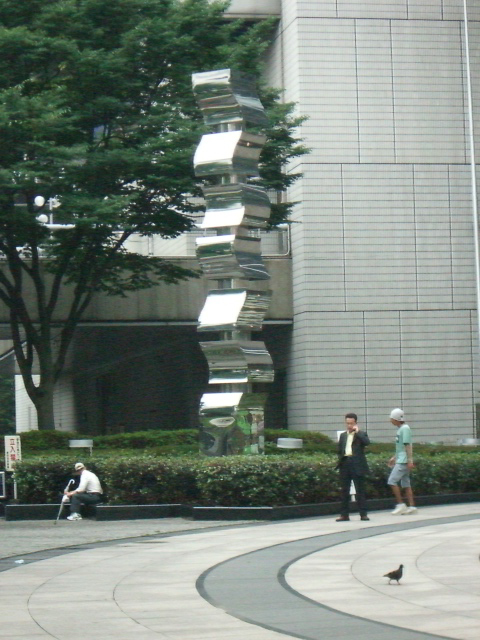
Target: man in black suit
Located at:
point(353, 466)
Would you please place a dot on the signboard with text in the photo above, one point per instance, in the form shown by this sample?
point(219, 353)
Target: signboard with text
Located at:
point(13, 452)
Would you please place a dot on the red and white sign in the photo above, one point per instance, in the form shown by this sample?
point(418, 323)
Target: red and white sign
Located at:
point(13, 452)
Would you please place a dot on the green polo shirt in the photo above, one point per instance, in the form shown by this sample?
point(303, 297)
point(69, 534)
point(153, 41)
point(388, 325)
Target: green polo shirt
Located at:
point(404, 436)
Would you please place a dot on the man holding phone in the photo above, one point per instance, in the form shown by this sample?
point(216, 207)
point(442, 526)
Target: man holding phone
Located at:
point(353, 467)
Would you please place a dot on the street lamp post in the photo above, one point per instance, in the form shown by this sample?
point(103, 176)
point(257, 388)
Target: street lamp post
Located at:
point(47, 220)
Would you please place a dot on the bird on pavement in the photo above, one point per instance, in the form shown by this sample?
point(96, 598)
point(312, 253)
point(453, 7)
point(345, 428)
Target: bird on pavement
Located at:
point(395, 575)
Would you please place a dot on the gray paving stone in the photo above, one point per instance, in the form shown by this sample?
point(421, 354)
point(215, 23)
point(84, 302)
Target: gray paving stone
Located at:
point(134, 587)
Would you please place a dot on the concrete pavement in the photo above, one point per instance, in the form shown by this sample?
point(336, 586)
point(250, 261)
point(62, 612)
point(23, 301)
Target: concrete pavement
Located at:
point(313, 579)
point(24, 537)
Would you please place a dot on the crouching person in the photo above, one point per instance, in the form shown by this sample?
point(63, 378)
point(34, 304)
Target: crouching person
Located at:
point(89, 491)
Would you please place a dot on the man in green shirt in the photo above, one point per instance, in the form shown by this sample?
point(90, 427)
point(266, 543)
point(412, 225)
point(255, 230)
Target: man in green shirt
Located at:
point(402, 463)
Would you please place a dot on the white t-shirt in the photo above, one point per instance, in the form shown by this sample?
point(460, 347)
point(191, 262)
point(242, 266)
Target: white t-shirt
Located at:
point(89, 483)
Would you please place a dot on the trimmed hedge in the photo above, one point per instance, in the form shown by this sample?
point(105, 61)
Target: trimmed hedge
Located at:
point(257, 481)
point(170, 470)
point(237, 480)
point(176, 442)
point(33, 441)
point(150, 480)
point(36, 441)
point(387, 448)
point(147, 439)
point(313, 441)
point(185, 441)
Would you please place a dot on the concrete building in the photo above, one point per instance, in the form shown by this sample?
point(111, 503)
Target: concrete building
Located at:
point(383, 282)
point(384, 304)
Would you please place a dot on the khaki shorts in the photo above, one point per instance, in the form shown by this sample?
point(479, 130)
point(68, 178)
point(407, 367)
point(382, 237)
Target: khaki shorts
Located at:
point(400, 474)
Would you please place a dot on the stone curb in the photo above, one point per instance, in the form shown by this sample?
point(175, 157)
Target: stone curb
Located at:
point(149, 511)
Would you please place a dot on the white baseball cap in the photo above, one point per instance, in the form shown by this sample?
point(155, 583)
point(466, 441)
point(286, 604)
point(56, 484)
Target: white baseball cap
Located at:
point(79, 466)
point(397, 414)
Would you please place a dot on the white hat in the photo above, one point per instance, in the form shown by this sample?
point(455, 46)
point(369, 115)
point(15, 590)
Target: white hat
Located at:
point(79, 466)
point(397, 414)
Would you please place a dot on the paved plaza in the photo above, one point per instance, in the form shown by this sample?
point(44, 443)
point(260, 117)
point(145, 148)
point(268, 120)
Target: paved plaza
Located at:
point(177, 579)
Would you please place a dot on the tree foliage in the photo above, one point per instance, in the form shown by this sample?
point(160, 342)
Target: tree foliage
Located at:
point(97, 113)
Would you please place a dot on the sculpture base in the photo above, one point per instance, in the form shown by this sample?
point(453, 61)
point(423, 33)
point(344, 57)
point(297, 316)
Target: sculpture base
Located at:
point(232, 423)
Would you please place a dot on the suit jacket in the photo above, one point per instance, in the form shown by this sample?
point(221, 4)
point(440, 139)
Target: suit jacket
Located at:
point(360, 441)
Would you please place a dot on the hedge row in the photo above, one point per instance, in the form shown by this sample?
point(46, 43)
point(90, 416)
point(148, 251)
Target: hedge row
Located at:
point(185, 441)
point(35, 441)
point(237, 480)
point(179, 441)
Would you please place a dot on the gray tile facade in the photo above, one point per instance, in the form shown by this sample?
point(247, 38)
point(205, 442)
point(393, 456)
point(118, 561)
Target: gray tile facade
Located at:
point(383, 254)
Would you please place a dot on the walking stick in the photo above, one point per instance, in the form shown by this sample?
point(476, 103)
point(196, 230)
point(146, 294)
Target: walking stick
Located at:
point(64, 500)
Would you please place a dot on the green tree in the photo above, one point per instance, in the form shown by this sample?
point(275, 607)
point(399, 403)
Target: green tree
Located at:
point(97, 113)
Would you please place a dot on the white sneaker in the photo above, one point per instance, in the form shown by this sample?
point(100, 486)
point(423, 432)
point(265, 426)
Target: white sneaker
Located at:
point(410, 511)
point(399, 509)
point(74, 516)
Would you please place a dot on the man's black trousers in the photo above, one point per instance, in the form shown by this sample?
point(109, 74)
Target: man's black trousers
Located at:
point(347, 474)
point(83, 498)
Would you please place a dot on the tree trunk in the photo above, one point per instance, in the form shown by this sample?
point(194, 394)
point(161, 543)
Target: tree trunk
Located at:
point(44, 406)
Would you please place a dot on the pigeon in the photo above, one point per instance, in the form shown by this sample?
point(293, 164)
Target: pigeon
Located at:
point(395, 575)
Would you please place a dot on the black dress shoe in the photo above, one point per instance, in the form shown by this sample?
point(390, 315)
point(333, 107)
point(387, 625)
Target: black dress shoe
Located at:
point(364, 518)
point(342, 519)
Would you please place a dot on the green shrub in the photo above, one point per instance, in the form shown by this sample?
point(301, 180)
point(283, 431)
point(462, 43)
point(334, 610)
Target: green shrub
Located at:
point(130, 479)
point(33, 441)
point(432, 475)
point(165, 442)
point(185, 441)
point(164, 467)
point(313, 441)
point(423, 449)
point(150, 480)
point(43, 478)
point(51, 440)
point(147, 439)
point(428, 477)
point(259, 481)
point(237, 480)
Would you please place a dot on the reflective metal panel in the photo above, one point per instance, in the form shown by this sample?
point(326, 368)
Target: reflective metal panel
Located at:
point(231, 256)
point(236, 204)
point(233, 361)
point(227, 95)
point(212, 402)
point(227, 153)
point(232, 423)
point(231, 309)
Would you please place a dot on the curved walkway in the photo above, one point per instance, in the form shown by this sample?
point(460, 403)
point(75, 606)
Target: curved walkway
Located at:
point(308, 579)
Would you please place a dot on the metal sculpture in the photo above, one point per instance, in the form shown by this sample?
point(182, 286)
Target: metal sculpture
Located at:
point(232, 419)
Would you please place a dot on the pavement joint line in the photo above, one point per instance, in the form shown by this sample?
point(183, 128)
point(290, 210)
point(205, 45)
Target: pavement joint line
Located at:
point(11, 562)
point(207, 581)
